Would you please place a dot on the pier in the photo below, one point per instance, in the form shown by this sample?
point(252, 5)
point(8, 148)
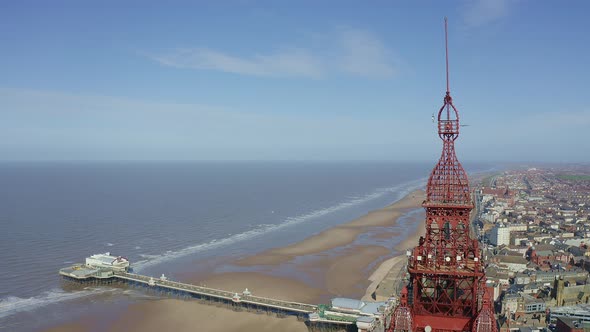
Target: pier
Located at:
point(316, 317)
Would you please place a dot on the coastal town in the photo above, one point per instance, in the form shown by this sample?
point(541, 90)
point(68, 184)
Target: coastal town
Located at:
point(534, 226)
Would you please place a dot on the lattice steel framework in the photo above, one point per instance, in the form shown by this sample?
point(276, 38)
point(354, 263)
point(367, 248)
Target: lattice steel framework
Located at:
point(447, 289)
point(402, 317)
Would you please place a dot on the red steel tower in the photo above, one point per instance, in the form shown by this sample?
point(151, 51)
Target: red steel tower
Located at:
point(447, 288)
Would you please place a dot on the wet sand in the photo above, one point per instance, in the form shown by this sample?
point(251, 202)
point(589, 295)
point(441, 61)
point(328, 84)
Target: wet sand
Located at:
point(337, 236)
point(266, 286)
point(391, 271)
point(178, 315)
point(332, 265)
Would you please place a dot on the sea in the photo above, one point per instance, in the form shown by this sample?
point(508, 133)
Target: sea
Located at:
point(164, 216)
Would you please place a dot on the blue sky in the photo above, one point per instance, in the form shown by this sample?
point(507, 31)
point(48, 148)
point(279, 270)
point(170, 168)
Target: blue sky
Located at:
point(298, 80)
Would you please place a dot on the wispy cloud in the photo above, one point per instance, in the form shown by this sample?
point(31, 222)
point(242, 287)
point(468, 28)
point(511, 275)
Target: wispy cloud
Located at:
point(349, 51)
point(292, 62)
point(365, 55)
point(482, 12)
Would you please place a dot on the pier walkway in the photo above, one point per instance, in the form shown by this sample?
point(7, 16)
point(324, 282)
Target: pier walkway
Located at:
point(84, 274)
point(200, 291)
point(341, 315)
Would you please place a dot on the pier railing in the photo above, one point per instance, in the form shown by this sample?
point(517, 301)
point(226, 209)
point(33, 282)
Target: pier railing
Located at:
point(82, 274)
point(201, 290)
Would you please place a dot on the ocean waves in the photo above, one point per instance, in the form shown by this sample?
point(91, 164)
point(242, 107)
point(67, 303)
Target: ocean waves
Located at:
point(399, 192)
point(13, 304)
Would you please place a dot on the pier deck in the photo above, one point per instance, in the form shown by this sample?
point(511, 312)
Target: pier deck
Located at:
point(221, 294)
point(80, 273)
point(341, 315)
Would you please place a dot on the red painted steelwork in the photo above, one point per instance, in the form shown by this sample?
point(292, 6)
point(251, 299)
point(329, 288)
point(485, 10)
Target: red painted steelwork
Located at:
point(446, 291)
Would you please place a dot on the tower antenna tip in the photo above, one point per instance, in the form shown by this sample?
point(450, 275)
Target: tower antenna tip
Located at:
point(447, 55)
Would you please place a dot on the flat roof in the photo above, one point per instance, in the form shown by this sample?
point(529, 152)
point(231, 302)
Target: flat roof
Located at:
point(79, 271)
point(580, 309)
point(346, 303)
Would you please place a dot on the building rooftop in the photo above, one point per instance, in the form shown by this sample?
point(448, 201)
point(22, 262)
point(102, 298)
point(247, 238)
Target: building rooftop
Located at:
point(369, 308)
point(372, 307)
point(345, 303)
point(578, 310)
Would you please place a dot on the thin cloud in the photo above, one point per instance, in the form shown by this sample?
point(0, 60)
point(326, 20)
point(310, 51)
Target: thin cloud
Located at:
point(294, 62)
point(365, 54)
point(483, 12)
point(350, 51)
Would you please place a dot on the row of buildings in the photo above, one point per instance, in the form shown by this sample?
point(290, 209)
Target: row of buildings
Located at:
point(536, 230)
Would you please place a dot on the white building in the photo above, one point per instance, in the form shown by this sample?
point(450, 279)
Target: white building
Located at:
point(500, 235)
point(102, 261)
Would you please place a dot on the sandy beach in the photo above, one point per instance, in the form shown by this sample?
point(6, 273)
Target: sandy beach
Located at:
point(328, 264)
point(337, 236)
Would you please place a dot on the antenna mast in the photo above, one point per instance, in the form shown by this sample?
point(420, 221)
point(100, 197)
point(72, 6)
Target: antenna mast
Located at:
point(447, 54)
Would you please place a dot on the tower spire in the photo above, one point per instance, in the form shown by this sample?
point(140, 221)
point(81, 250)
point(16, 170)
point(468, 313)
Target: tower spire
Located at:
point(448, 181)
point(446, 290)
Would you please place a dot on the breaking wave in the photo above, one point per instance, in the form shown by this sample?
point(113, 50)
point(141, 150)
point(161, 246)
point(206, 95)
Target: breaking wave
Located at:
point(13, 304)
point(400, 191)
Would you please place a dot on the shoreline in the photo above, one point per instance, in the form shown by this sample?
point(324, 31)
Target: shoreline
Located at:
point(337, 236)
point(325, 265)
point(388, 275)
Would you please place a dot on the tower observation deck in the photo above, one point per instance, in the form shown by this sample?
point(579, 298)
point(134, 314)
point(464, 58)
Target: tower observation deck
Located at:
point(447, 287)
